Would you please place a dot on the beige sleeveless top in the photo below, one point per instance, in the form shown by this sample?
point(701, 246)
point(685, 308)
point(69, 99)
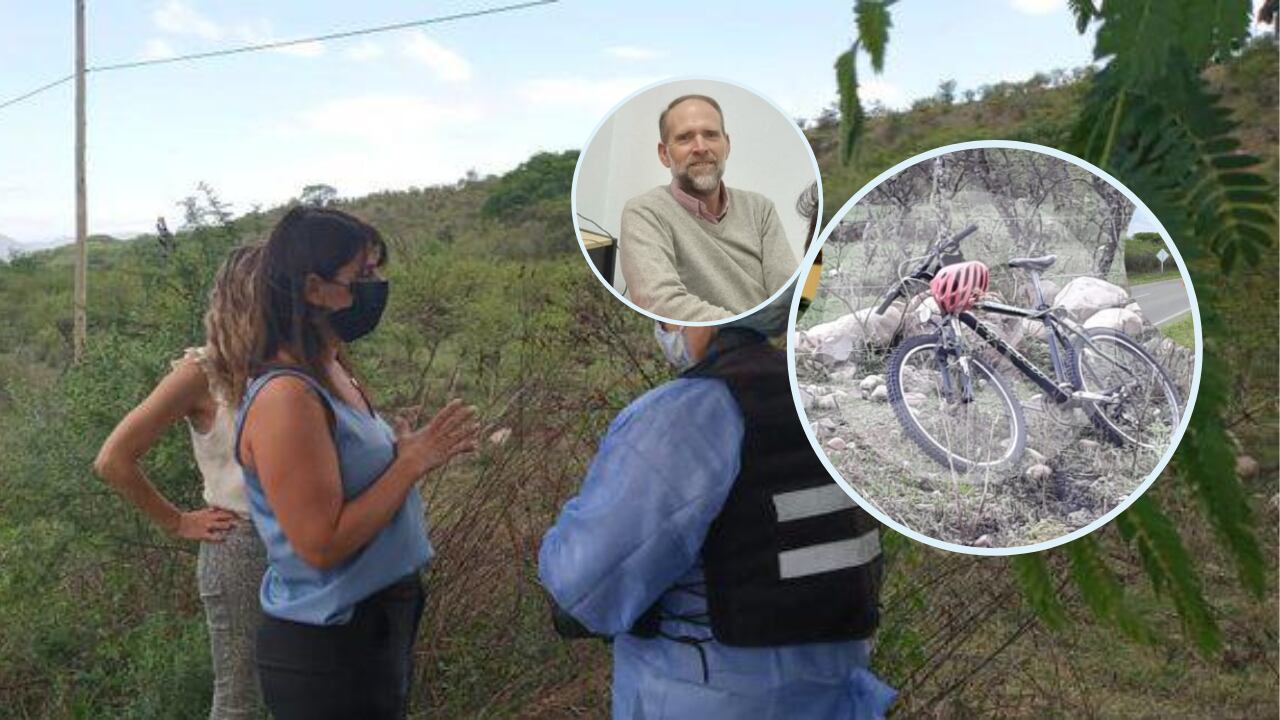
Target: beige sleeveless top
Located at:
point(223, 478)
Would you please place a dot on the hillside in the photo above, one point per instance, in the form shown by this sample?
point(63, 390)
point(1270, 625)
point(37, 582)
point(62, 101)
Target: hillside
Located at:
point(492, 302)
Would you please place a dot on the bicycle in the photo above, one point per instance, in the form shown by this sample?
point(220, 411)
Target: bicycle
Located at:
point(959, 409)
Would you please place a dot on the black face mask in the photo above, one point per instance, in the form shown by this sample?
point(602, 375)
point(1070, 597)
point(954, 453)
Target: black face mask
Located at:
point(368, 300)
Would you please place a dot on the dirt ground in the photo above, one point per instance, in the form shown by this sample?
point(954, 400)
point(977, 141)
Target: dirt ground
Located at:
point(1080, 475)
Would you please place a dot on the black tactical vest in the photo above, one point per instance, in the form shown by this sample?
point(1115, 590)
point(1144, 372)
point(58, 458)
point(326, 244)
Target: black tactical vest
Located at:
point(790, 559)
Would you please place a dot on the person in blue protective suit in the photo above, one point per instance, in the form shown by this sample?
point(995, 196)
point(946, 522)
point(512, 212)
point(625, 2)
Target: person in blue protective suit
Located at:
point(734, 577)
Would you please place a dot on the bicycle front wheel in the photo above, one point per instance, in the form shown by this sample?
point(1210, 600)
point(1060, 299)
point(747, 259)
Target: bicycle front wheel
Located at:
point(983, 432)
point(1144, 406)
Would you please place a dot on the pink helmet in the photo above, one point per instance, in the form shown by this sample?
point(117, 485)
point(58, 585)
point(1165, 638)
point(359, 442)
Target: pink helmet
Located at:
point(957, 287)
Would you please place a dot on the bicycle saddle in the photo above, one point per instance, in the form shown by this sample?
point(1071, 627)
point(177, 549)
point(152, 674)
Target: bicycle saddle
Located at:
point(1037, 263)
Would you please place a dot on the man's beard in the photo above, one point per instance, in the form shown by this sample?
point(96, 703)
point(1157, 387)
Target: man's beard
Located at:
point(701, 183)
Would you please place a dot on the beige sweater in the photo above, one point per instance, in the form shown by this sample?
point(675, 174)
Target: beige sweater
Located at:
point(685, 268)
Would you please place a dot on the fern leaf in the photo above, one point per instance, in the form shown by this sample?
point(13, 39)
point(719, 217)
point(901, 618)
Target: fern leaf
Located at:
point(873, 21)
point(1101, 590)
point(1213, 29)
point(851, 115)
point(1165, 549)
point(1084, 12)
point(1032, 572)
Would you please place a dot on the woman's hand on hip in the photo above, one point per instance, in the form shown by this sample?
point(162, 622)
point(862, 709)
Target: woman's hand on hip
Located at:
point(209, 524)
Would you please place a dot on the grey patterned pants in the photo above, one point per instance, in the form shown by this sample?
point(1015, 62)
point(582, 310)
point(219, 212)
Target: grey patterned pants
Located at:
point(229, 575)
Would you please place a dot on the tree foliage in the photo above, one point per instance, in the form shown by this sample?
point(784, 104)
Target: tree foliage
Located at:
point(873, 22)
point(544, 176)
point(1150, 119)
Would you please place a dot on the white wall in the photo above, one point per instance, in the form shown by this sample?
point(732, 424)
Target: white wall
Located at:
point(767, 154)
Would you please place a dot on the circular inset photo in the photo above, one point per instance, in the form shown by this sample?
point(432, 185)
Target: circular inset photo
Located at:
point(693, 201)
point(1002, 351)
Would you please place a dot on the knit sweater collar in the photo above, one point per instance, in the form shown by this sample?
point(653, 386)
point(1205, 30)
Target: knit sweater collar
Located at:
point(697, 207)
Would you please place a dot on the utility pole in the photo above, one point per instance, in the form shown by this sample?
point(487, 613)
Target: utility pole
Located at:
point(82, 219)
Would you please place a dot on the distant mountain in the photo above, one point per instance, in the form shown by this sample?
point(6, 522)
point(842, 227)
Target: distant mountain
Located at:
point(9, 247)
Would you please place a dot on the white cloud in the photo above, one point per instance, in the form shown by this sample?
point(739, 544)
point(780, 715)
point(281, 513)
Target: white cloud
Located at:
point(364, 51)
point(261, 33)
point(1037, 7)
point(308, 49)
point(367, 143)
point(634, 52)
point(179, 19)
point(157, 49)
point(593, 95)
point(386, 119)
point(876, 90)
point(448, 65)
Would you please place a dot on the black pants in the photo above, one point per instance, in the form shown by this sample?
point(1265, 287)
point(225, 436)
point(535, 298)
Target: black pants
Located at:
point(358, 670)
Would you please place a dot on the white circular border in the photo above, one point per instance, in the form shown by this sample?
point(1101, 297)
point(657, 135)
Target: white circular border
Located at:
point(573, 199)
point(1021, 549)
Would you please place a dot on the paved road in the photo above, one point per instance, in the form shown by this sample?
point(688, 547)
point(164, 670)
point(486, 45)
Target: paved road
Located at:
point(1162, 301)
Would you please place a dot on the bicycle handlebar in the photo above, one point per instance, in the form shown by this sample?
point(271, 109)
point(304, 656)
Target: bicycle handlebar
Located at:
point(894, 292)
point(963, 234)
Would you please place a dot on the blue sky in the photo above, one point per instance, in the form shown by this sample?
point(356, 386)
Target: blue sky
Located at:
point(421, 107)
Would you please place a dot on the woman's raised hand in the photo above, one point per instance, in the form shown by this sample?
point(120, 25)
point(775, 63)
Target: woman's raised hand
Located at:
point(453, 431)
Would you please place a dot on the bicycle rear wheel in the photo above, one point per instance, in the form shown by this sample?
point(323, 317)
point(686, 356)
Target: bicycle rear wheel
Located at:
point(984, 433)
point(1146, 408)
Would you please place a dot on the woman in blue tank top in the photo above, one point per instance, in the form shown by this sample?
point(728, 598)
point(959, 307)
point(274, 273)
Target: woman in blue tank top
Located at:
point(332, 488)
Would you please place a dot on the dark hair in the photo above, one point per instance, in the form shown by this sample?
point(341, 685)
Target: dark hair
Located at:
point(662, 119)
point(807, 207)
point(307, 240)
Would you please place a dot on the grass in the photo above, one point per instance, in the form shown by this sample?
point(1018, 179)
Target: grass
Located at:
point(1181, 331)
point(1171, 273)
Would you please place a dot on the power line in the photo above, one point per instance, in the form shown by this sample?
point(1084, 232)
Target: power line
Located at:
point(285, 43)
point(35, 92)
point(322, 38)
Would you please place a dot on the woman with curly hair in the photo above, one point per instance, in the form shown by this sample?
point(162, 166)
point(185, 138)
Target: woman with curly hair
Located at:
point(203, 389)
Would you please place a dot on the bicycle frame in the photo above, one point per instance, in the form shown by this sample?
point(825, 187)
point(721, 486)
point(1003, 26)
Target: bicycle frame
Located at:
point(1057, 330)
point(1054, 327)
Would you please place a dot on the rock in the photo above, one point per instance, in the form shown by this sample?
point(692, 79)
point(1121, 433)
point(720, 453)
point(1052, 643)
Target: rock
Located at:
point(806, 399)
point(913, 399)
point(1085, 296)
point(846, 375)
point(1088, 445)
point(1246, 467)
point(1034, 456)
point(1033, 329)
point(841, 396)
point(825, 426)
point(919, 315)
point(982, 541)
point(1038, 473)
point(870, 383)
point(880, 394)
point(1080, 518)
point(1010, 329)
point(500, 436)
point(1126, 321)
point(835, 341)
point(1136, 309)
point(917, 382)
point(1050, 290)
point(836, 443)
point(827, 402)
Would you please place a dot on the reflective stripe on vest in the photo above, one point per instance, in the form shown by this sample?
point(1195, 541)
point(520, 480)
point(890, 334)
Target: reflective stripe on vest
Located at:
point(811, 502)
point(830, 556)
